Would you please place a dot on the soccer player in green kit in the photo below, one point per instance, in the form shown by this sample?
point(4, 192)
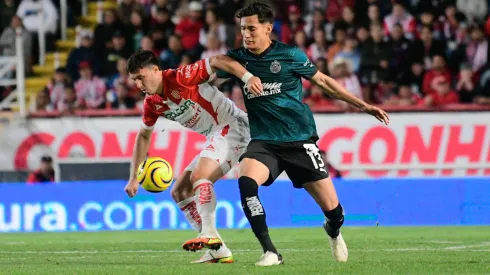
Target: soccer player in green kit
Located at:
point(283, 130)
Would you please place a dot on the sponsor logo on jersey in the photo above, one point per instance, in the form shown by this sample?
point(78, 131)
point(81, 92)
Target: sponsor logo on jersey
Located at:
point(172, 115)
point(194, 119)
point(308, 62)
point(275, 67)
point(158, 107)
point(269, 89)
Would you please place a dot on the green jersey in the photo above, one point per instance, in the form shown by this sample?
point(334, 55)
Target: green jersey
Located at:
point(278, 113)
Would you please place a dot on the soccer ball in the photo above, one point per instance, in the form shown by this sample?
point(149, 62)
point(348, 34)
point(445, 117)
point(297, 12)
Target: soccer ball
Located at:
point(155, 175)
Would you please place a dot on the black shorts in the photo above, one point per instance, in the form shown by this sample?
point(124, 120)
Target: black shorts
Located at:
point(301, 160)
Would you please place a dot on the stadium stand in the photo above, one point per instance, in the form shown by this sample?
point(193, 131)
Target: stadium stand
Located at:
point(403, 55)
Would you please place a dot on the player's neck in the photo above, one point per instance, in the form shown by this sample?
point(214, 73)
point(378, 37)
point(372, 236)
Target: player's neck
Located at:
point(160, 86)
point(262, 49)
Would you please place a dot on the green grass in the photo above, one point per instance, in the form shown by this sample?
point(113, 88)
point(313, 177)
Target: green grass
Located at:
point(373, 250)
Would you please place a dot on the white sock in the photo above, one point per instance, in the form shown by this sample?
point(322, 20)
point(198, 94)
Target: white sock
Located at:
point(206, 206)
point(188, 206)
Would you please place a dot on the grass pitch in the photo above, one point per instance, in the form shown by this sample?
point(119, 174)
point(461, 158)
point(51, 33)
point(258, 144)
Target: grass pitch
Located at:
point(373, 250)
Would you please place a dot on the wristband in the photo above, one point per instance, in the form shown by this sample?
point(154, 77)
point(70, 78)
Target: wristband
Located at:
point(246, 77)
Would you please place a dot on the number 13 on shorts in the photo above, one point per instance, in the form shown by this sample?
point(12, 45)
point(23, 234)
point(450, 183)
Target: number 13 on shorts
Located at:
point(314, 153)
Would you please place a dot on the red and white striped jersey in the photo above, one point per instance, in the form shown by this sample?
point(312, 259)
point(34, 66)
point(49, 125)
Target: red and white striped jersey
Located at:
point(190, 102)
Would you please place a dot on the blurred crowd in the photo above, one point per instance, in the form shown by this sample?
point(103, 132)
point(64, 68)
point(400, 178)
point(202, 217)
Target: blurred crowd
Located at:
point(389, 52)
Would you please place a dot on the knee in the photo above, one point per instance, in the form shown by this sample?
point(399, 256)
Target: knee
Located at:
point(181, 192)
point(176, 194)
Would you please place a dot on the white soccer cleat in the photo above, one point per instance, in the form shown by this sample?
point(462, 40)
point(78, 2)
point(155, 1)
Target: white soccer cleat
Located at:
point(339, 248)
point(269, 258)
point(222, 255)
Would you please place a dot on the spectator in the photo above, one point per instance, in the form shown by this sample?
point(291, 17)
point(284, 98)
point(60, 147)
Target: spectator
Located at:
point(214, 47)
point(90, 90)
point(172, 57)
point(8, 9)
point(319, 47)
point(454, 27)
point(122, 76)
point(190, 27)
point(103, 32)
point(316, 22)
point(362, 35)
point(427, 19)
point(443, 95)
point(292, 25)
point(401, 16)
point(157, 6)
point(401, 50)
point(375, 56)
point(7, 41)
point(56, 86)
point(335, 7)
point(119, 97)
point(214, 25)
point(85, 52)
point(474, 10)
point(126, 8)
point(426, 47)
point(334, 173)
point(374, 15)
point(112, 55)
point(147, 44)
point(350, 53)
point(439, 71)
point(161, 29)
point(69, 104)
point(42, 102)
point(477, 49)
point(349, 20)
point(337, 46)
point(231, 7)
point(466, 84)
point(300, 40)
point(138, 27)
point(341, 70)
point(406, 96)
point(45, 173)
point(34, 13)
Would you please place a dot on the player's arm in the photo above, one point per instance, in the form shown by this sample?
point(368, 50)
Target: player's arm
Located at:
point(200, 71)
point(140, 148)
point(334, 89)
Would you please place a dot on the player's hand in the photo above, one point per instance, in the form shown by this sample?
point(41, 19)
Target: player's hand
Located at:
point(132, 187)
point(377, 113)
point(254, 86)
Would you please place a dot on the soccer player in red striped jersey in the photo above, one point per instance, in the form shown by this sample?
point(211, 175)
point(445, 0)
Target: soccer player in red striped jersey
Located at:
point(182, 95)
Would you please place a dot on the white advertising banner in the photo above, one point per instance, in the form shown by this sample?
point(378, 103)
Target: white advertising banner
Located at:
point(413, 145)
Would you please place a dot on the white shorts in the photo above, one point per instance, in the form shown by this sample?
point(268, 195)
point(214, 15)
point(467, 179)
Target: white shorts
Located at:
point(225, 146)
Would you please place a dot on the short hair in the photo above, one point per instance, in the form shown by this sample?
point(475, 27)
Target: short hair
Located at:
point(140, 60)
point(263, 11)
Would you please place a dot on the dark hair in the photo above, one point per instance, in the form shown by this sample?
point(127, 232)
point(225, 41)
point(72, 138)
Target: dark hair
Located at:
point(141, 59)
point(263, 11)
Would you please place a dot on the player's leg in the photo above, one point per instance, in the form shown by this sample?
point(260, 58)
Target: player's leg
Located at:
point(207, 172)
point(258, 166)
point(305, 167)
point(323, 191)
point(183, 194)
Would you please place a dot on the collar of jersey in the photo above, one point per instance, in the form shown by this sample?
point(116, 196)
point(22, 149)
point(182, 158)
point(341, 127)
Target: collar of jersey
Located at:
point(271, 46)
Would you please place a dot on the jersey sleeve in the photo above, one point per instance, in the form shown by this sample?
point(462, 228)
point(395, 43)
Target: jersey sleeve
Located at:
point(302, 65)
point(194, 74)
point(149, 117)
point(223, 74)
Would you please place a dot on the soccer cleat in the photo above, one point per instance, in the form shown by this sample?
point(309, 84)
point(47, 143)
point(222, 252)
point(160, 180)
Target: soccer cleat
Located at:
point(200, 243)
point(270, 258)
point(338, 246)
point(222, 255)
